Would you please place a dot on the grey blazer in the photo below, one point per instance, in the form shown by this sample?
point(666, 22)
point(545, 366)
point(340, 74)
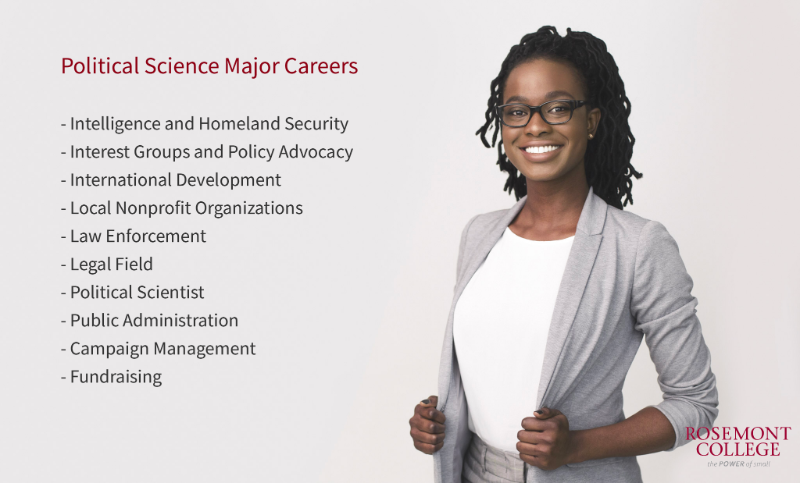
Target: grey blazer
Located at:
point(624, 279)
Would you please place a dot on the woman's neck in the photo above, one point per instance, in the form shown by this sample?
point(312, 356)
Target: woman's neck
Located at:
point(552, 209)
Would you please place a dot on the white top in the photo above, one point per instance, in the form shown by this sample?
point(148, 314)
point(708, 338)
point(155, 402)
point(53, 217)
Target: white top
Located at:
point(500, 331)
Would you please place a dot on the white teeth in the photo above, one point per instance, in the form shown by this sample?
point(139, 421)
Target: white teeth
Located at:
point(540, 149)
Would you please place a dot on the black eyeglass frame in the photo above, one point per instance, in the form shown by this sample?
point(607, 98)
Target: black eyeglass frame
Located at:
point(573, 104)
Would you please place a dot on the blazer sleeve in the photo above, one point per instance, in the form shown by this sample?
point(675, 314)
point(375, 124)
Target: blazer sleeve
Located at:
point(663, 308)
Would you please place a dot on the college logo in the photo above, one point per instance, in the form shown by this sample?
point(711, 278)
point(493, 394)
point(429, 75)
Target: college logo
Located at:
point(735, 441)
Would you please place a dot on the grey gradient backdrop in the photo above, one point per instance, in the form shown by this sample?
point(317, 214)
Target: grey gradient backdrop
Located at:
point(347, 303)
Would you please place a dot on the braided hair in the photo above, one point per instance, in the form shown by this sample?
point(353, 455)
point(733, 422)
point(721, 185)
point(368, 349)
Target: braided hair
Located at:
point(608, 155)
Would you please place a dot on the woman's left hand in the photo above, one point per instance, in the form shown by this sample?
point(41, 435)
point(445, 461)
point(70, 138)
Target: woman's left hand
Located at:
point(545, 441)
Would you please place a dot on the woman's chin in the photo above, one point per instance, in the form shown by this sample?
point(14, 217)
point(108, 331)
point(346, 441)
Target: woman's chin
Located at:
point(542, 175)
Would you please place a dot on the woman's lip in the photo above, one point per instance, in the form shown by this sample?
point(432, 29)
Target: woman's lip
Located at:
point(539, 157)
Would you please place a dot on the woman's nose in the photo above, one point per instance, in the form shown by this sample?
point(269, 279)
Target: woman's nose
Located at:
point(537, 125)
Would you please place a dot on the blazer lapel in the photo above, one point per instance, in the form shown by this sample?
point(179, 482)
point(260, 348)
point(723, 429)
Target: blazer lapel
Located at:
point(472, 263)
point(486, 244)
point(576, 273)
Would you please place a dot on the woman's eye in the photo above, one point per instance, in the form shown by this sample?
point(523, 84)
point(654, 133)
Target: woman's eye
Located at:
point(558, 108)
point(515, 112)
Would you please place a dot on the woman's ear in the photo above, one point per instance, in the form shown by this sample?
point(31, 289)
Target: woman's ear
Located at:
point(593, 120)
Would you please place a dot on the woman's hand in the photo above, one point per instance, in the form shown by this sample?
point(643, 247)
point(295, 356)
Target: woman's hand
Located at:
point(545, 441)
point(427, 426)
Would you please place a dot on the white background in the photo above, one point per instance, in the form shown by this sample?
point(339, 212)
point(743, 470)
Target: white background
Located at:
point(347, 303)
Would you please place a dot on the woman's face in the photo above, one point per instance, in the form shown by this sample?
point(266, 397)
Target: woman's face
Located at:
point(534, 83)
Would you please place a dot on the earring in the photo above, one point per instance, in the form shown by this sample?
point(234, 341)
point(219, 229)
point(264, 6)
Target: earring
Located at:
point(591, 136)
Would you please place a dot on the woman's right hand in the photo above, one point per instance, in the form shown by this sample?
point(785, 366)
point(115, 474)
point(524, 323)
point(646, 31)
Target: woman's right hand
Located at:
point(427, 426)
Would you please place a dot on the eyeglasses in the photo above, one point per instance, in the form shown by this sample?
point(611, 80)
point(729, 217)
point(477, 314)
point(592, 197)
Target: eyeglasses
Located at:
point(552, 112)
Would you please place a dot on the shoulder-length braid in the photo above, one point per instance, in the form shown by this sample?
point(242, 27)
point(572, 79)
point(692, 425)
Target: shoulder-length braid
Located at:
point(608, 155)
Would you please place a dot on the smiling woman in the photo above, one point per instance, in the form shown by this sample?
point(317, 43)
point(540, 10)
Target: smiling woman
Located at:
point(554, 295)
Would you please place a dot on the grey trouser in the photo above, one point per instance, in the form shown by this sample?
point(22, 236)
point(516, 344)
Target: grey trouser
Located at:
point(486, 464)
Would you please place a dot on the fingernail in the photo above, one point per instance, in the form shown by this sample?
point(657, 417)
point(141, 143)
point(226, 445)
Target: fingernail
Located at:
point(426, 401)
point(538, 412)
